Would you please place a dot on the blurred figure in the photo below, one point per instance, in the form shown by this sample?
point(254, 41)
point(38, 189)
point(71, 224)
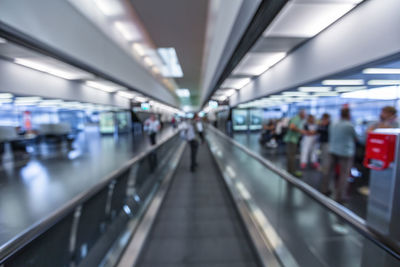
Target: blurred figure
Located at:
point(342, 137)
point(309, 143)
point(199, 127)
point(291, 139)
point(388, 119)
point(182, 127)
point(323, 131)
point(152, 125)
point(191, 137)
point(173, 122)
point(267, 133)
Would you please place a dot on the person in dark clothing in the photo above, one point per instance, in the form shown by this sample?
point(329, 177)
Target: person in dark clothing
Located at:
point(323, 131)
point(191, 135)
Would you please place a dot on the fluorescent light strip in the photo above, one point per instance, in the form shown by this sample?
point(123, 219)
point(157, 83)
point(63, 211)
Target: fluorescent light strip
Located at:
point(6, 95)
point(326, 94)
point(236, 83)
point(183, 93)
point(172, 67)
point(314, 89)
point(230, 93)
point(294, 93)
point(255, 64)
point(140, 99)
point(109, 7)
point(343, 82)
point(101, 86)
point(148, 62)
point(126, 94)
point(28, 99)
point(382, 93)
point(25, 103)
point(384, 82)
point(127, 30)
point(381, 71)
point(306, 20)
point(46, 68)
point(349, 88)
point(155, 70)
point(52, 102)
point(139, 49)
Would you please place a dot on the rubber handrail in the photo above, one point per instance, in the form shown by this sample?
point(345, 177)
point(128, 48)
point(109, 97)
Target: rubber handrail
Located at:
point(31, 233)
point(350, 217)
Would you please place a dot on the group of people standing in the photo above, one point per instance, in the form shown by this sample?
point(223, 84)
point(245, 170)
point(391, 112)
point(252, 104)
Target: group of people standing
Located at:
point(335, 142)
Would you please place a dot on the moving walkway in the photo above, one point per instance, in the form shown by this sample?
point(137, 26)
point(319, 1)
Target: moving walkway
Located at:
point(237, 209)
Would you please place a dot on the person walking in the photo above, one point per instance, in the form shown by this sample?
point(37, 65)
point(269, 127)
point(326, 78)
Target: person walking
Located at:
point(152, 125)
point(342, 137)
point(199, 128)
point(191, 136)
point(291, 139)
point(323, 131)
point(309, 144)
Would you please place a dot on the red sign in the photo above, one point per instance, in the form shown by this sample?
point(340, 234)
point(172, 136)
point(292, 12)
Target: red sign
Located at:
point(380, 147)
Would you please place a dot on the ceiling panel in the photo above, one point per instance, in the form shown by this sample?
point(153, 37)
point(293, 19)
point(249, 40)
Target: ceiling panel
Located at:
point(180, 24)
point(276, 44)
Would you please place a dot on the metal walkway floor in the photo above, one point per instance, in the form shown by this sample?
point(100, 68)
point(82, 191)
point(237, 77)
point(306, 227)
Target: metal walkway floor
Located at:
point(197, 224)
point(33, 191)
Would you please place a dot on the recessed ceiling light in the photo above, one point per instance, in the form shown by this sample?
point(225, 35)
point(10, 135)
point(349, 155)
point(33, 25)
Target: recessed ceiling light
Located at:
point(305, 20)
point(343, 82)
point(109, 7)
point(326, 94)
point(128, 31)
point(384, 82)
point(236, 83)
point(254, 64)
point(126, 94)
point(155, 70)
point(183, 92)
point(140, 99)
point(314, 89)
point(171, 67)
point(230, 93)
point(103, 86)
point(72, 74)
point(29, 100)
point(349, 88)
point(139, 49)
point(294, 93)
point(381, 71)
point(384, 93)
point(148, 62)
point(6, 95)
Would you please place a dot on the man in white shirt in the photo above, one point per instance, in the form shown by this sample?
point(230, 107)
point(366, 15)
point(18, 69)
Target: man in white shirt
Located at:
point(153, 126)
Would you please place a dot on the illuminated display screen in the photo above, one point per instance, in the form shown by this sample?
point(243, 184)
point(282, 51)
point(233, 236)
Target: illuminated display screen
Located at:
point(107, 124)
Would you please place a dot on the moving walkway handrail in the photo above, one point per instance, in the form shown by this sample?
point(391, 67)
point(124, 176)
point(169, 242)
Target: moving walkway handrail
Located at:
point(28, 235)
point(358, 223)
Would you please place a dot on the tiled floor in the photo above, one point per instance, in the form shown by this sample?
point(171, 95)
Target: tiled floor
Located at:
point(197, 224)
